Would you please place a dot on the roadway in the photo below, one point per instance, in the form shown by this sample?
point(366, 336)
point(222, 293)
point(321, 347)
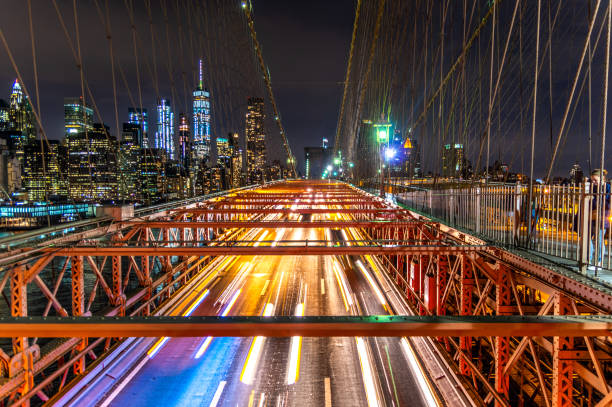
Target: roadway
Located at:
point(277, 371)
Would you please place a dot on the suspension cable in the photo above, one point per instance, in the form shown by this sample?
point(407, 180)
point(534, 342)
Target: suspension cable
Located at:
point(346, 79)
point(266, 75)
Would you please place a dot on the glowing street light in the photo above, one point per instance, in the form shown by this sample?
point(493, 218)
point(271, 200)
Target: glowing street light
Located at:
point(390, 153)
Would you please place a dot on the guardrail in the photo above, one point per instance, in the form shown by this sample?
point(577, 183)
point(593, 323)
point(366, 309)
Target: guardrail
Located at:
point(39, 236)
point(565, 221)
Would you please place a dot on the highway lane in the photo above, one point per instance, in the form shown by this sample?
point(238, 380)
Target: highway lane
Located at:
point(179, 373)
point(279, 371)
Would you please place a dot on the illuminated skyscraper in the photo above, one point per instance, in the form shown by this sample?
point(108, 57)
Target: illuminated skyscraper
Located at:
point(21, 120)
point(140, 117)
point(452, 160)
point(77, 116)
point(236, 170)
point(164, 137)
point(5, 123)
point(92, 165)
point(45, 172)
point(129, 161)
point(224, 150)
point(184, 142)
point(255, 139)
point(201, 121)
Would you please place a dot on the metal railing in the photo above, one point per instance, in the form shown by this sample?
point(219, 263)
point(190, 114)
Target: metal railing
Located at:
point(570, 222)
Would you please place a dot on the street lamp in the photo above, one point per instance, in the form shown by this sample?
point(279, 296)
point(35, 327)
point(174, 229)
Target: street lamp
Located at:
point(382, 136)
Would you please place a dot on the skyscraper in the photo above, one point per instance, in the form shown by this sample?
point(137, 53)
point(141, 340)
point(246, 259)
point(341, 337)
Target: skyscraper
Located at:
point(201, 121)
point(44, 173)
point(92, 165)
point(452, 160)
point(21, 120)
point(129, 161)
point(140, 117)
point(224, 150)
point(164, 137)
point(184, 142)
point(5, 123)
point(78, 117)
point(255, 139)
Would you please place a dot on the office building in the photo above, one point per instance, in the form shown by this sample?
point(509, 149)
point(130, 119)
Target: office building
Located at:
point(140, 117)
point(185, 145)
point(5, 123)
point(45, 171)
point(78, 118)
point(452, 160)
point(316, 159)
point(92, 165)
point(224, 150)
point(164, 137)
point(201, 121)
point(255, 139)
point(152, 169)
point(129, 161)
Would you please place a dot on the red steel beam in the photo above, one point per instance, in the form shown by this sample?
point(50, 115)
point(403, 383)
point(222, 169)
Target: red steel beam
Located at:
point(234, 250)
point(288, 211)
point(278, 224)
point(302, 326)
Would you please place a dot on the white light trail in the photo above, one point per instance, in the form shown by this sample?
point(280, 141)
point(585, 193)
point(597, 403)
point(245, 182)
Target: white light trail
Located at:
point(196, 303)
point(218, 393)
point(203, 347)
point(366, 371)
point(418, 372)
point(248, 371)
point(381, 297)
point(295, 351)
point(231, 303)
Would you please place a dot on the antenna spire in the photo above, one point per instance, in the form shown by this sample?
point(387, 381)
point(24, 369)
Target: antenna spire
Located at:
point(201, 75)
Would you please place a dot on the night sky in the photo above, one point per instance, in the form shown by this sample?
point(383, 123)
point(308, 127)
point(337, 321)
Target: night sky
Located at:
point(305, 46)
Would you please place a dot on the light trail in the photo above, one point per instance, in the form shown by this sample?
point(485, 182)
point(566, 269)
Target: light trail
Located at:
point(203, 347)
point(248, 372)
point(366, 371)
point(366, 273)
point(218, 393)
point(293, 371)
point(344, 290)
point(426, 390)
point(231, 303)
point(196, 303)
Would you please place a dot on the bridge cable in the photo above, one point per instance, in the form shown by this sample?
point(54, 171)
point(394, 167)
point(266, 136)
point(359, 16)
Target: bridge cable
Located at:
point(461, 56)
point(346, 79)
point(574, 84)
point(268, 82)
point(381, 7)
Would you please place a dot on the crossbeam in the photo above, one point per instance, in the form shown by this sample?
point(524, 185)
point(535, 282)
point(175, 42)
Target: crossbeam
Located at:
point(324, 326)
point(204, 211)
point(278, 224)
point(262, 250)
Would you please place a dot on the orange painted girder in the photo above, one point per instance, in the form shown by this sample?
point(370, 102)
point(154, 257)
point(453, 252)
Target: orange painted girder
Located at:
point(286, 326)
point(231, 249)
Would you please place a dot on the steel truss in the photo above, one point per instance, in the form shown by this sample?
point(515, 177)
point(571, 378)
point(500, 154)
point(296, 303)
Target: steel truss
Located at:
point(131, 268)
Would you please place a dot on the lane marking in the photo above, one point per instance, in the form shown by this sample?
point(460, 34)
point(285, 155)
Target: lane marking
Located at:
point(263, 291)
point(328, 402)
point(322, 286)
point(217, 396)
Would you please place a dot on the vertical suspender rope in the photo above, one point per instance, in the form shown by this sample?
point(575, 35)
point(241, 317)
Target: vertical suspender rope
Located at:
point(533, 126)
point(346, 79)
point(571, 97)
point(268, 82)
